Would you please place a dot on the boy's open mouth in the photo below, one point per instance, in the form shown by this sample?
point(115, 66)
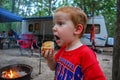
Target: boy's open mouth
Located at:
point(57, 38)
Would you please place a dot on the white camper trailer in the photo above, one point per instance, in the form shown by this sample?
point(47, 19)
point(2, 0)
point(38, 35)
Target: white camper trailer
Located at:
point(41, 27)
point(101, 34)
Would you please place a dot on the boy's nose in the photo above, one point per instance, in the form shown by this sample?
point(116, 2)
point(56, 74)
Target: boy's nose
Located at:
point(54, 28)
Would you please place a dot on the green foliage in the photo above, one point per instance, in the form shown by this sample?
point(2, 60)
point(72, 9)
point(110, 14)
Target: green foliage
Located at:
point(34, 8)
point(16, 26)
point(100, 7)
point(3, 27)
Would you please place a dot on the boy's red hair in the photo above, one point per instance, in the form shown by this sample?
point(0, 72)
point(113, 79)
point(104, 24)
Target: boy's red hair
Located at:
point(76, 15)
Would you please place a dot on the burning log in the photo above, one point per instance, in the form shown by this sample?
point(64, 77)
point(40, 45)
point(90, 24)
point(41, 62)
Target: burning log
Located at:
point(13, 73)
point(16, 72)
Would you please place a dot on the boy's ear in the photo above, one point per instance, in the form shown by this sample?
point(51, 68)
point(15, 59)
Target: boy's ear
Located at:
point(79, 29)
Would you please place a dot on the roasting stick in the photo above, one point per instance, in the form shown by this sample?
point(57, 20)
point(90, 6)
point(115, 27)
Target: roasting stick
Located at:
point(40, 48)
point(40, 64)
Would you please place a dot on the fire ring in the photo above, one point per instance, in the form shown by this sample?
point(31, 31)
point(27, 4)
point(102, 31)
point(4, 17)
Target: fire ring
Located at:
point(16, 72)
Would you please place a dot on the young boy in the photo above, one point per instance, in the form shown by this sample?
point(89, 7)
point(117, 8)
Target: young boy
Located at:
point(74, 60)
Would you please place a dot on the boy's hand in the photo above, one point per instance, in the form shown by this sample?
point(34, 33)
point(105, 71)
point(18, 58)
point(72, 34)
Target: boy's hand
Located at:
point(47, 54)
point(47, 50)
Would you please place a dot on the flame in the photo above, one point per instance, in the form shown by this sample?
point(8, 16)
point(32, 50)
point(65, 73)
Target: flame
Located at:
point(10, 74)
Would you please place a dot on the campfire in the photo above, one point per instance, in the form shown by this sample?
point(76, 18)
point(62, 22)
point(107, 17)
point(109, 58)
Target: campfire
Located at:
point(16, 72)
point(12, 73)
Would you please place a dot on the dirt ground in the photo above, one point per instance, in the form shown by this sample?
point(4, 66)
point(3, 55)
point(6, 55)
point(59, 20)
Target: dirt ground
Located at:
point(11, 56)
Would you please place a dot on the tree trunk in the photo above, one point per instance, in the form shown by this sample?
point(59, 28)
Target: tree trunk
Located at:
point(13, 6)
point(50, 1)
point(116, 49)
point(0, 3)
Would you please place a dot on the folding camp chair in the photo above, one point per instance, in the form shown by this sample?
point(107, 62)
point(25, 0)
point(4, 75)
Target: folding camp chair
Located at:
point(26, 43)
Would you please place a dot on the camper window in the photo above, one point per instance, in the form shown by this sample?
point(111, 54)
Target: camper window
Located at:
point(30, 27)
point(88, 28)
point(36, 27)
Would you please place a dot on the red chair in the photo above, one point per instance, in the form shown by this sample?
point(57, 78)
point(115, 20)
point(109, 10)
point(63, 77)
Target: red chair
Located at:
point(26, 42)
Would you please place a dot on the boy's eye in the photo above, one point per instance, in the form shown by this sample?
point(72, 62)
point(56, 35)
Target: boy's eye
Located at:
point(60, 23)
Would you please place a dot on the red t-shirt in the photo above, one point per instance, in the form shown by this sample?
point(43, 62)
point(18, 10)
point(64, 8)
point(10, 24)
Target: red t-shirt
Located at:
point(78, 64)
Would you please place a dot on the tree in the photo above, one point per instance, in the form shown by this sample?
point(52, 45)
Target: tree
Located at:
point(35, 8)
point(116, 49)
